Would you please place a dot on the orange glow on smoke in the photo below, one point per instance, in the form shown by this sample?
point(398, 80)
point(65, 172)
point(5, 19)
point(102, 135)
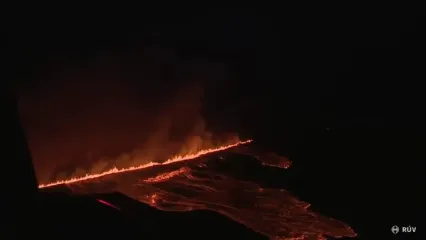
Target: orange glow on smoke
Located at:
point(174, 159)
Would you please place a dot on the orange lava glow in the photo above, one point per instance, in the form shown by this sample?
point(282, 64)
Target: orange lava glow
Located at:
point(214, 183)
point(107, 204)
point(174, 159)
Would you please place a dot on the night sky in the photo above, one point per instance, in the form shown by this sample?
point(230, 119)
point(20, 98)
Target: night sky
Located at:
point(286, 80)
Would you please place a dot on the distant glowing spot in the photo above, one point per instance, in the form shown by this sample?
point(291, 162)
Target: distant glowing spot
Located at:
point(154, 198)
point(107, 203)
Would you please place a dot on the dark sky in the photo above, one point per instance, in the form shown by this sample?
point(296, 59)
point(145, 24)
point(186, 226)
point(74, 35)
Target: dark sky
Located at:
point(101, 84)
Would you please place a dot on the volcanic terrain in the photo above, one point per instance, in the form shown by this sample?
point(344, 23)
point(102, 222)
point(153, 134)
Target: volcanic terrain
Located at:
point(229, 182)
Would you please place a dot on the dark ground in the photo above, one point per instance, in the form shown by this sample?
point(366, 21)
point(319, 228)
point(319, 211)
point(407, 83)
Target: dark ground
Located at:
point(339, 94)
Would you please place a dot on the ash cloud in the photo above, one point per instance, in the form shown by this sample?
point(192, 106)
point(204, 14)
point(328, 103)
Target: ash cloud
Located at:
point(87, 118)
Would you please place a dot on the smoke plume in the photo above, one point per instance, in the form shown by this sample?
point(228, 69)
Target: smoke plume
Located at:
point(89, 118)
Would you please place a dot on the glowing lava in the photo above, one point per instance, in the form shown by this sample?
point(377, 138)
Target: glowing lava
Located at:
point(115, 170)
point(213, 183)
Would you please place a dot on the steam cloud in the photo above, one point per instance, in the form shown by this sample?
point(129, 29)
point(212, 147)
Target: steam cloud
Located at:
point(88, 120)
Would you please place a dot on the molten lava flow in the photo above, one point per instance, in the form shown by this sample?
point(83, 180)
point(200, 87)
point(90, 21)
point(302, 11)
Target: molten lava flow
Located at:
point(178, 158)
point(212, 183)
point(272, 212)
point(107, 204)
